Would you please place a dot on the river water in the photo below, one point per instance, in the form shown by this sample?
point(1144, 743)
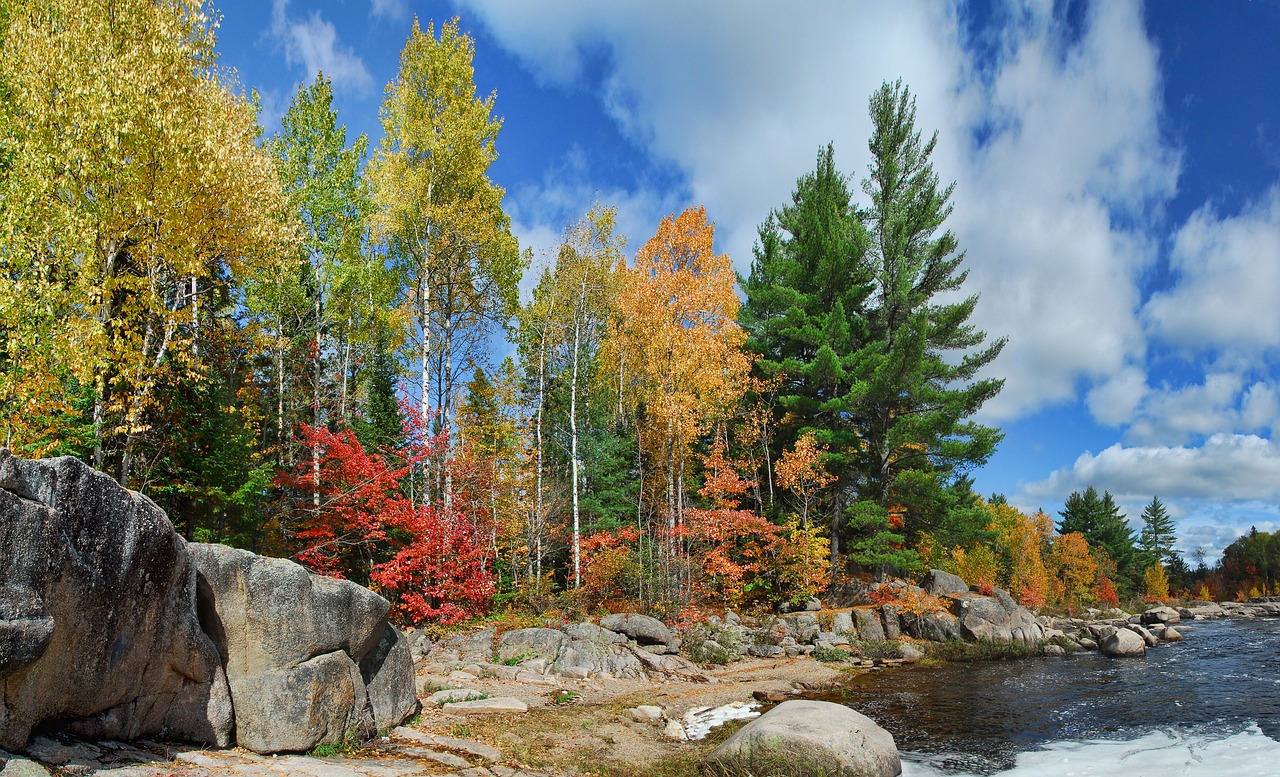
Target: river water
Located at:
point(1208, 706)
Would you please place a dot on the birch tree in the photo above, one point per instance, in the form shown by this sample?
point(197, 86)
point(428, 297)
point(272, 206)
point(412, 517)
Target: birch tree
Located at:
point(438, 211)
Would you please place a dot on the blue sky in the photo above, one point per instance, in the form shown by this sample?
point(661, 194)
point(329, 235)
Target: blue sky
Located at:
point(1117, 170)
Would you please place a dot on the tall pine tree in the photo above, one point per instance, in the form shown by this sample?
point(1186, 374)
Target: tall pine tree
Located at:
point(1155, 542)
point(842, 304)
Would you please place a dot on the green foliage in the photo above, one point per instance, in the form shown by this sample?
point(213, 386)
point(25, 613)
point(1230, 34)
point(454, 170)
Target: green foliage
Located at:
point(831, 655)
point(875, 545)
point(841, 305)
point(957, 651)
point(1100, 521)
point(1158, 534)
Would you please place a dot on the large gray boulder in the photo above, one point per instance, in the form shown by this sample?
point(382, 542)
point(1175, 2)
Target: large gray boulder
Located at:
point(997, 618)
point(1161, 614)
point(870, 628)
point(1122, 643)
point(387, 673)
point(98, 626)
point(932, 626)
point(642, 628)
point(293, 645)
point(809, 737)
point(939, 583)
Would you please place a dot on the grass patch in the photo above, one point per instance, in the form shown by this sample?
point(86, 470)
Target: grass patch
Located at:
point(831, 655)
point(349, 744)
point(957, 651)
point(564, 696)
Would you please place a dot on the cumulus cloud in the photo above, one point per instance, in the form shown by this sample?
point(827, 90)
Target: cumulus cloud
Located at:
point(1047, 145)
point(313, 43)
point(1228, 468)
point(1215, 491)
point(1228, 269)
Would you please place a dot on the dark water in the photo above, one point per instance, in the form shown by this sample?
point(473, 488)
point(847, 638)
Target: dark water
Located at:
point(1223, 679)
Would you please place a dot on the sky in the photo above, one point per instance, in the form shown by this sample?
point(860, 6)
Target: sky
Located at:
point(1116, 169)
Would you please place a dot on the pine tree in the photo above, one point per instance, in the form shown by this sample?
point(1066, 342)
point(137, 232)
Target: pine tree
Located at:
point(806, 290)
point(1102, 524)
point(1155, 542)
point(842, 304)
point(915, 400)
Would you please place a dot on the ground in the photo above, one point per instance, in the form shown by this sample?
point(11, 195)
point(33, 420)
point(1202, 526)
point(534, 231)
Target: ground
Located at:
point(592, 734)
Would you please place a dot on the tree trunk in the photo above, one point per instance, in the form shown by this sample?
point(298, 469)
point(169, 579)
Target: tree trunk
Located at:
point(573, 454)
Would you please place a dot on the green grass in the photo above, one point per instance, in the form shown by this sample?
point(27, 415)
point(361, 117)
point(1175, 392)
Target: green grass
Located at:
point(956, 651)
point(831, 655)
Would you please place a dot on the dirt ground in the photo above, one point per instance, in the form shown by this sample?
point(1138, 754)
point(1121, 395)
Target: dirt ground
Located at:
point(595, 733)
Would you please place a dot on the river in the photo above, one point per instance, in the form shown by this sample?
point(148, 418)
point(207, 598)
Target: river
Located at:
point(1208, 706)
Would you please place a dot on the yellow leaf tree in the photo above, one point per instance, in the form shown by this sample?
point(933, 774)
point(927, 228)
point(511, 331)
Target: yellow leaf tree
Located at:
point(678, 351)
point(134, 196)
point(439, 213)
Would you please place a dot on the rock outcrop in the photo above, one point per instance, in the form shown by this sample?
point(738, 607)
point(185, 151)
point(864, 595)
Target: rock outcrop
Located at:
point(996, 617)
point(98, 626)
point(810, 737)
point(113, 626)
point(294, 645)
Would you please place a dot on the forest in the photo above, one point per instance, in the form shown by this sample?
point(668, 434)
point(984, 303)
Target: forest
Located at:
point(315, 347)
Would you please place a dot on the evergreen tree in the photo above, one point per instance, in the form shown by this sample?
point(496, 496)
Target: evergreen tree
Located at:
point(1103, 525)
point(1080, 513)
point(1155, 542)
point(805, 293)
point(842, 303)
point(381, 426)
point(915, 401)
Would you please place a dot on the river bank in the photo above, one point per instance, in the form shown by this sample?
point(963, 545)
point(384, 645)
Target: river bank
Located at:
point(973, 718)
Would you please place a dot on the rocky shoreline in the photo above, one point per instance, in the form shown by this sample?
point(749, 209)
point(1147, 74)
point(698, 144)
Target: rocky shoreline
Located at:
point(117, 635)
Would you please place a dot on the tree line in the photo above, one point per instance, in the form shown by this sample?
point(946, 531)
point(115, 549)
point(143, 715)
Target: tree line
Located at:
point(287, 340)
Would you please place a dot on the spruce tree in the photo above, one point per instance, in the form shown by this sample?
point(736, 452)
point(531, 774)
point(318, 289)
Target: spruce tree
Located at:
point(1155, 542)
point(806, 291)
point(842, 303)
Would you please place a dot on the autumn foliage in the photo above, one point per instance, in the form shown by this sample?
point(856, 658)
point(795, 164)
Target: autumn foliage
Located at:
point(429, 560)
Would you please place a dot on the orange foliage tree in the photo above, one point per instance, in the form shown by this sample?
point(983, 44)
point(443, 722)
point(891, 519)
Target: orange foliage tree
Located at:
point(678, 351)
point(1074, 570)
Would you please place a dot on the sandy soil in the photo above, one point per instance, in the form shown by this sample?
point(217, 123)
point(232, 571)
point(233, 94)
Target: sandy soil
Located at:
point(595, 732)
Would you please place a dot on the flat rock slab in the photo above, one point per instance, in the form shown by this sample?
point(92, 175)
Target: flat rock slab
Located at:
point(21, 767)
point(453, 695)
point(486, 706)
point(478, 749)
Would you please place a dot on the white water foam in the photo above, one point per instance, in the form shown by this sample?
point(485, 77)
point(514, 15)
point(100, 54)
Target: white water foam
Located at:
point(699, 721)
point(1249, 753)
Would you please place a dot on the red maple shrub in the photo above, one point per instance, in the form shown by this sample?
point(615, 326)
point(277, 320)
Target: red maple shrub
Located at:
point(356, 520)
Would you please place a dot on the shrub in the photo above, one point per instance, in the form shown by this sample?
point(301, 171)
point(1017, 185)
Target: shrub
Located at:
point(831, 655)
point(709, 644)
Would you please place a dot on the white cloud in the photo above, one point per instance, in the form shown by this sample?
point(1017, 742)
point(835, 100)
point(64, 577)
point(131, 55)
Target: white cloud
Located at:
point(313, 43)
point(1114, 402)
point(390, 9)
point(1215, 491)
point(1227, 468)
point(1071, 139)
point(1228, 270)
point(540, 211)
